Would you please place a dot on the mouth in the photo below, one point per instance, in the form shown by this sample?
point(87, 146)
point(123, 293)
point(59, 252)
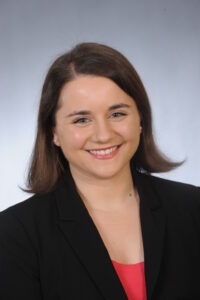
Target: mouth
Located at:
point(104, 153)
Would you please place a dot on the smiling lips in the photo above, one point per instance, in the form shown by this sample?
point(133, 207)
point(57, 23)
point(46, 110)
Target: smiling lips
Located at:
point(105, 153)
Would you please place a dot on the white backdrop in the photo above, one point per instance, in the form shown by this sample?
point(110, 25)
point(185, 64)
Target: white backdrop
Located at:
point(162, 40)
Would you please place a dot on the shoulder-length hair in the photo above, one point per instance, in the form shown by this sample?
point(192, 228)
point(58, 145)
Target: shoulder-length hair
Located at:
point(47, 162)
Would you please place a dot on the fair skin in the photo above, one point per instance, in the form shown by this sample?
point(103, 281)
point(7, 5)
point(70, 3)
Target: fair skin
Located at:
point(95, 114)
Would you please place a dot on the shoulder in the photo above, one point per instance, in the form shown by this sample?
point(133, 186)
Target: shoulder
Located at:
point(22, 221)
point(175, 187)
point(176, 196)
point(23, 227)
point(29, 208)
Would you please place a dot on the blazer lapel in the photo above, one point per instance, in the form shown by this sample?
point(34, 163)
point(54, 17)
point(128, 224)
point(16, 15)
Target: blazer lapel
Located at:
point(80, 231)
point(153, 229)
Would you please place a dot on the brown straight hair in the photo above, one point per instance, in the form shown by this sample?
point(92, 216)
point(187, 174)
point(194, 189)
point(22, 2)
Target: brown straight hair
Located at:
point(48, 162)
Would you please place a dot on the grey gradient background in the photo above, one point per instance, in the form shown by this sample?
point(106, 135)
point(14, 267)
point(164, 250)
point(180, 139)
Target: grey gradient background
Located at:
point(161, 39)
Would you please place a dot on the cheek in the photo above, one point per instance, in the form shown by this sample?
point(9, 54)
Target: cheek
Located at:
point(75, 138)
point(130, 131)
point(78, 139)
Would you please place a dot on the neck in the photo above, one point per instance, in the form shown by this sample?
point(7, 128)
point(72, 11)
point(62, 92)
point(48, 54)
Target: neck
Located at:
point(106, 194)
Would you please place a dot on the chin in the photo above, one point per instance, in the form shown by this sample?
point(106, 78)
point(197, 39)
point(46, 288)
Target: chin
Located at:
point(105, 174)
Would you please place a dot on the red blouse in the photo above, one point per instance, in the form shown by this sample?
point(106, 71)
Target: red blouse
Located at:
point(133, 279)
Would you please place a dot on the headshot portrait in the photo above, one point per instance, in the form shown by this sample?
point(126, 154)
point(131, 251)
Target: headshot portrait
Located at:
point(106, 200)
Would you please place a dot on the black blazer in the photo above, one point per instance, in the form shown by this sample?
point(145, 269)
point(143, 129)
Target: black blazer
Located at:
point(50, 248)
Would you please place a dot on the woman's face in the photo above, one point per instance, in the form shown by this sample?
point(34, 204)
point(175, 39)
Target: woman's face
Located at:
point(97, 127)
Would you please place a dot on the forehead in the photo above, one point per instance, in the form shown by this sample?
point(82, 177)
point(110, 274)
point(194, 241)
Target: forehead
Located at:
point(92, 90)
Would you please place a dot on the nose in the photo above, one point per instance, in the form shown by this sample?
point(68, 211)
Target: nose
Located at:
point(102, 131)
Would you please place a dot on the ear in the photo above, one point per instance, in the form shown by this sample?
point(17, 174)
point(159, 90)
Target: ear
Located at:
point(55, 138)
point(141, 126)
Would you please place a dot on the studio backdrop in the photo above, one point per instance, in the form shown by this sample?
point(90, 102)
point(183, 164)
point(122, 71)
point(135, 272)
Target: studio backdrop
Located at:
point(160, 38)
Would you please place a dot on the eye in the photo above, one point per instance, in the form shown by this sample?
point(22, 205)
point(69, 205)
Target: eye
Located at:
point(81, 121)
point(118, 114)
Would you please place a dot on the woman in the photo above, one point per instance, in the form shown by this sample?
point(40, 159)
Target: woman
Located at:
point(99, 226)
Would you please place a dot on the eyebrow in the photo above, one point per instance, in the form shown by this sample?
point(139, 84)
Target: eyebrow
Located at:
point(87, 112)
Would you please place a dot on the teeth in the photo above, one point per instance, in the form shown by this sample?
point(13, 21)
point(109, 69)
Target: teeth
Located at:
point(103, 152)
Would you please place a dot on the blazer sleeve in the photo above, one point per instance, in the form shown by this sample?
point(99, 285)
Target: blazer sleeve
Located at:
point(19, 274)
point(197, 211)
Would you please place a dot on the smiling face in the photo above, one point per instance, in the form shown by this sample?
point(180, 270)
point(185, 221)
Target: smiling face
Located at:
point(97, 127)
